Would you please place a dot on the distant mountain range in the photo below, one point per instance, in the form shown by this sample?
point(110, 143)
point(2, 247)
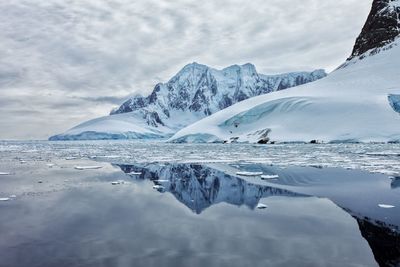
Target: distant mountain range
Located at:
point(196, 92)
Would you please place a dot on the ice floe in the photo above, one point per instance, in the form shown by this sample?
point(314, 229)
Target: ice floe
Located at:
point(249, 173)
point(81, 168)
point(158, 187)
point(261, 206)
point(386, 206)
point(118, 182)
point(4, 198)
point(5, 173)
point(269, 177)
point(134, 173)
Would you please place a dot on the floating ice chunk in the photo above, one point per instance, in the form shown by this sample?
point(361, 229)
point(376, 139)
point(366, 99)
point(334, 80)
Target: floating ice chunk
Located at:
point(158, 187)
point(71, 158)
point(50, 165)
point(386, 206)
point(13, 196)
point(249, 173)
point(134, 173)
point(4, 198)
point(5, 173)
point(269, 177)
point(81, 168)
point(261, 206)
point(22, 161)
point(162, 181)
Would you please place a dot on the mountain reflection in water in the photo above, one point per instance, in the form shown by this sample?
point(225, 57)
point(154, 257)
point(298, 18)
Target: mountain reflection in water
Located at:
point(200, 186)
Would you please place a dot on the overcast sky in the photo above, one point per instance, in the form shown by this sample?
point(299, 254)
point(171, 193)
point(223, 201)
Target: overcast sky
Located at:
point(65, 61)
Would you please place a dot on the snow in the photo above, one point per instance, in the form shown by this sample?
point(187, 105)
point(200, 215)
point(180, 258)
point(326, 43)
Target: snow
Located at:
point(261, 206)
point(394, 101)
point(158, 187)
point(249, 173)
point(118, 182)
point(119, 126)
point(353, 104)
point(81, 168)
point(135, 173)
point(386, 206)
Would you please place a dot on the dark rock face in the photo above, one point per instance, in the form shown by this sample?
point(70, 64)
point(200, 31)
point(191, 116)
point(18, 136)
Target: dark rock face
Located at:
point(381, 28)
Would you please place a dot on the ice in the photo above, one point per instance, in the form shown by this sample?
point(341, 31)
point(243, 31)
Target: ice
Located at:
point(394, 101)
point(386, 206)
point(162, 181)
point(118, 182)
point(261, 206)
point(4, 198)
point(50, 165)
point(366, 156)
point(71, 158)
point(268, 177)
point(158, 187)
point(81, 168)
point(13, 196)
point(249, 173)
point(135, 173)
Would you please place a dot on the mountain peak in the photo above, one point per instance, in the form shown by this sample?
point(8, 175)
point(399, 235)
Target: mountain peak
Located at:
point(381, 28)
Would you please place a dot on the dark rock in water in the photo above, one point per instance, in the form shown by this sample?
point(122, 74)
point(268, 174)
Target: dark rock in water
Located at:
point(384, 242)
point(263, 141)
point(381, 27)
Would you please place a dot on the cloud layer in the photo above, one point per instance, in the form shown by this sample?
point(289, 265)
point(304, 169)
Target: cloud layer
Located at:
point(65, 61)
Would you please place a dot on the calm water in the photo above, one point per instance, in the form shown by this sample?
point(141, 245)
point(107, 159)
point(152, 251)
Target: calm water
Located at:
point(159, 205)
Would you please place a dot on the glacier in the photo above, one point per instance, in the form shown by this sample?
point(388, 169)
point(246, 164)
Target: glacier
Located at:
point(195, 92)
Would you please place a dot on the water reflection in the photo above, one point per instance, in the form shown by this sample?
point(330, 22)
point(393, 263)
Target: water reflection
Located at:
point(395, 182)
point(198, 186)
point(358, 193)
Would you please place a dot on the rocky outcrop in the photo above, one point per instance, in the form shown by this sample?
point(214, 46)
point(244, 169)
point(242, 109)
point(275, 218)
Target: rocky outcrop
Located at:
point(381, 28)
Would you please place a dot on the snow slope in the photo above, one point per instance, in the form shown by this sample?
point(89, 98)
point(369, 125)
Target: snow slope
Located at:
point(194, 93)
point(354, 103)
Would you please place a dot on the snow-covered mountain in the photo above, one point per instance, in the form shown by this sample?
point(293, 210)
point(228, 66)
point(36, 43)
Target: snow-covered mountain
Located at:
point(360, 101)
point(197, 91)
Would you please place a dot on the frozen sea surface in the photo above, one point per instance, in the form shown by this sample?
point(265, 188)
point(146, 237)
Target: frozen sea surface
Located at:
point(380, 158)
point(153, 204)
